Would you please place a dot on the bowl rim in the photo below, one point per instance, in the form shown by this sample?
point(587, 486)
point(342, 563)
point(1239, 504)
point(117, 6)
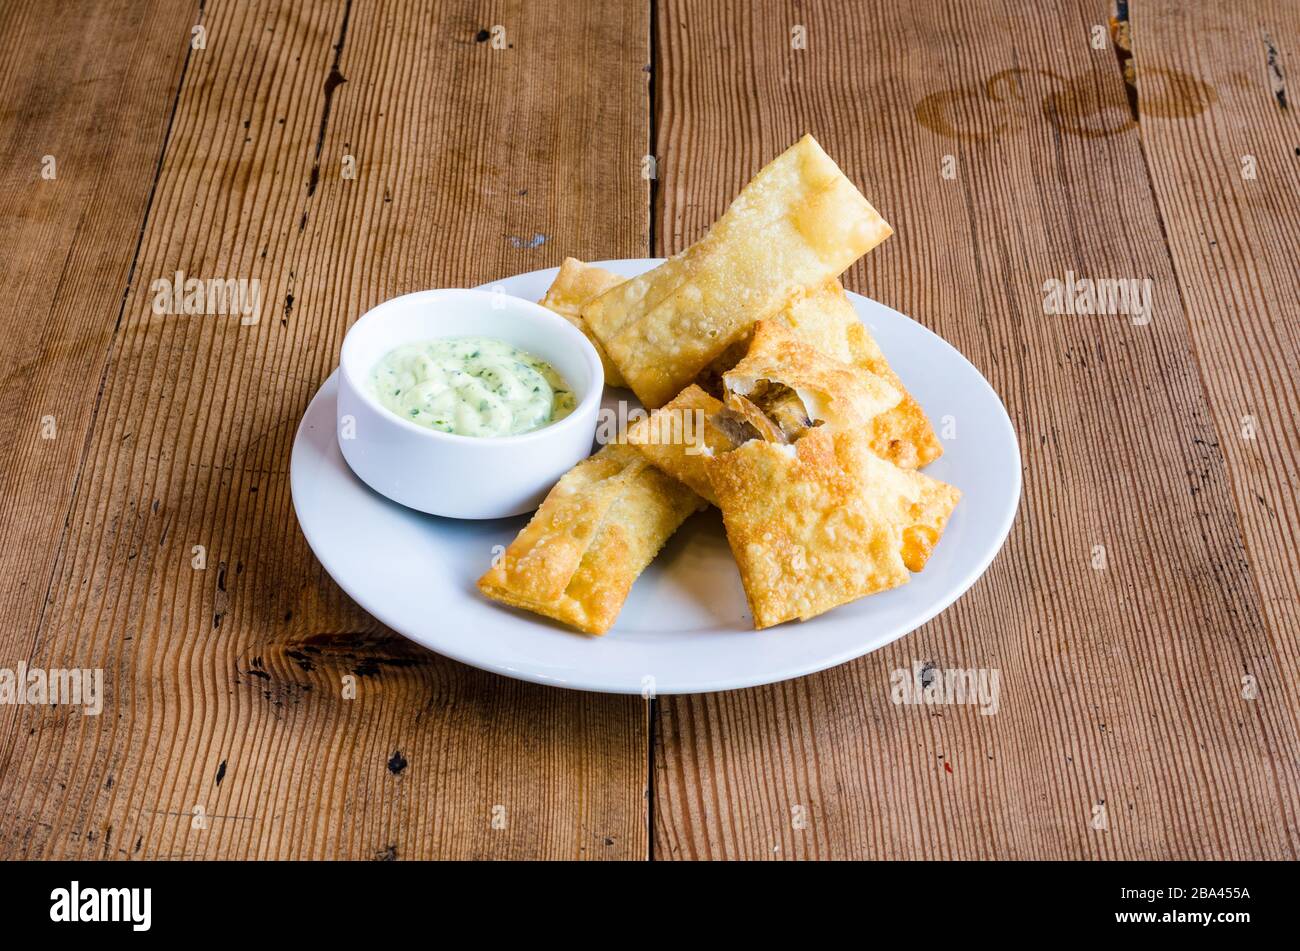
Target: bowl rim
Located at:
point(532, 311)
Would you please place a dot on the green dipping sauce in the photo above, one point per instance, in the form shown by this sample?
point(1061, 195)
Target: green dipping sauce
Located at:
point(471, 386)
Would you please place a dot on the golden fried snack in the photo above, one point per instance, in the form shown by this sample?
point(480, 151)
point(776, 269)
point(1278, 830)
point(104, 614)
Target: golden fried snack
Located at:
point(680, 435)
point(795, 386)
point(710, 378)
point(576, 284)
point(598, 528)
point(817, 317)
point(902, 435)
point(798, 223)
point(821, 316)
point(782, 388)
point(826, 319)
point(824, 521)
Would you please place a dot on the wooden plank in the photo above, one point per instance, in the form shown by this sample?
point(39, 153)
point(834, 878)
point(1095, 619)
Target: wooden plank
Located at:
point(225, 683)
point(1227, 183)
point(1121, 687)
point(81, 133)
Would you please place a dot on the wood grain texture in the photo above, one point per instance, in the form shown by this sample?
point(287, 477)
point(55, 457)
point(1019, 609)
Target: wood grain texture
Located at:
point(224, 684)
point(82, 133)
point(1121, 688)
point(1227, 184)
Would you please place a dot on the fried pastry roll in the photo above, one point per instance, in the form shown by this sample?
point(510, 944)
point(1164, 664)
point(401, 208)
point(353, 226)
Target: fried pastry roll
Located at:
point(824, 521)
point(682, 434)
point(816, 317)
point(576, 284)
point(781, 389)
point(825, 319)
point(598, 528)
point(902, 435)
point(799, 223)
point(784, 387)
point(821, 317)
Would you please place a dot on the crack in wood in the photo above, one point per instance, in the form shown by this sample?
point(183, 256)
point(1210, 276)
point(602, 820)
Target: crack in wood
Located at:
point(1122, 40)
point(1276, 81)
point(333, 81)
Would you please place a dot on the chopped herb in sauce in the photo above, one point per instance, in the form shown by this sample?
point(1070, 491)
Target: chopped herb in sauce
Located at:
point(471, 386)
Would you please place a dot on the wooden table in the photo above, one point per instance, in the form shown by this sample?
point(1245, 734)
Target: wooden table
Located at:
point(1143, 615)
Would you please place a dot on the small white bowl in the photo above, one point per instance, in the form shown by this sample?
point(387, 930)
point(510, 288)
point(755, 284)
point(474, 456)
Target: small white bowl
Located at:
point(463, 476)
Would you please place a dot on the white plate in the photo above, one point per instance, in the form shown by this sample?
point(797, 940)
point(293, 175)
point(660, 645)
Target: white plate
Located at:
point(686, 627)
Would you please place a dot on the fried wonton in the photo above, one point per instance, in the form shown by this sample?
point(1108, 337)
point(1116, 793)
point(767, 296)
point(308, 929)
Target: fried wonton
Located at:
point(824, 521)
point(710, 378)
point(784, 387)
point(821, 317)
point(816, 317)
point(780, 389)
point(680, 435)
point(575, 285)
point(598, 528)
point(798, 223)
point(826, 319)
point(903, 435)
